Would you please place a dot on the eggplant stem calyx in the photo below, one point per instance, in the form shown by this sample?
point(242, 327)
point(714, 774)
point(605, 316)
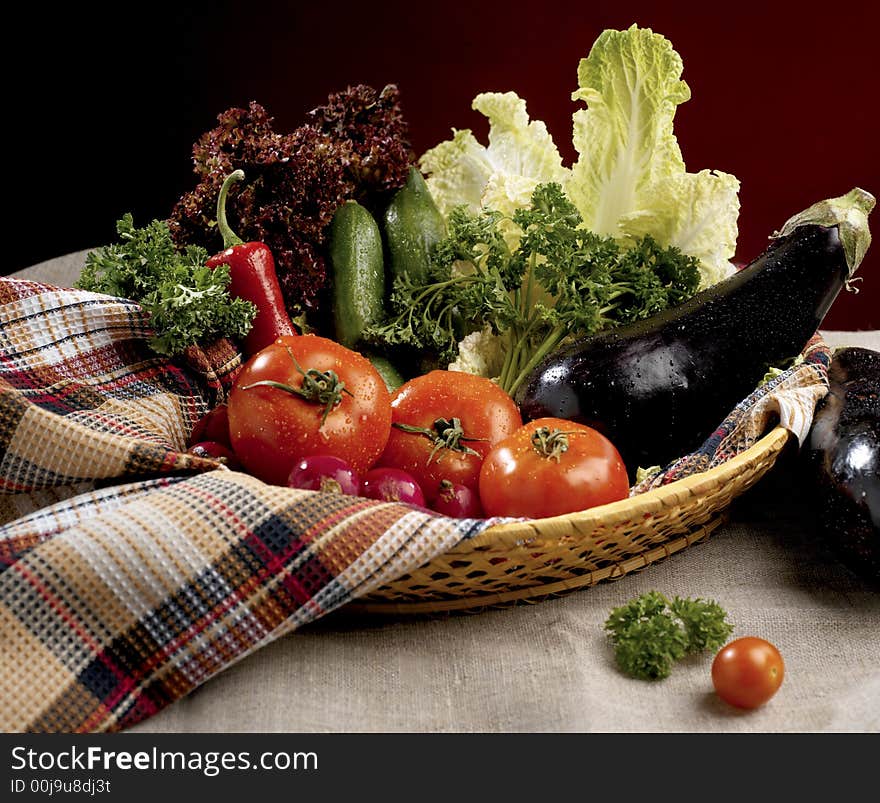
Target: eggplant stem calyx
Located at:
point(849, 213)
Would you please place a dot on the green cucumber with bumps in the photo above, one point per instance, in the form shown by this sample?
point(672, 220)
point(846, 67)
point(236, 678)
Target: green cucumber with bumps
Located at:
point(358, 271)
point(386, 369)
point(413, 226)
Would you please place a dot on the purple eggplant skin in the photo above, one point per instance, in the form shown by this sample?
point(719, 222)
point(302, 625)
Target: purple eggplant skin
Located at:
point(842, 459)
point(657, 388)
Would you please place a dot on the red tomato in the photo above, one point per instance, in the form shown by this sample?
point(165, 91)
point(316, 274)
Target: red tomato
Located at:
point(458, 417)
point(549, 467)
point(347, 413)
point(747, 672)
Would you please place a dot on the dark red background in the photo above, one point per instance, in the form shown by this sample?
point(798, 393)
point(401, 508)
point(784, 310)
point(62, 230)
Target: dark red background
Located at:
point(103, 107)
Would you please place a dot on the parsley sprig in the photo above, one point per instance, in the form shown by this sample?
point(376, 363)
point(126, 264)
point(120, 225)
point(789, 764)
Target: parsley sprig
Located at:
point(650, 633)
point(559, 281)
point(187, 301)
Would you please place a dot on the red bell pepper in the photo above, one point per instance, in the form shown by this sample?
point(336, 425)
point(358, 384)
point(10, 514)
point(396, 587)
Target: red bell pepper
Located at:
point(252, 277)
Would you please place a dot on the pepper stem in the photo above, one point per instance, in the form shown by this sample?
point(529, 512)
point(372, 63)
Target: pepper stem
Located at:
point(230, 238)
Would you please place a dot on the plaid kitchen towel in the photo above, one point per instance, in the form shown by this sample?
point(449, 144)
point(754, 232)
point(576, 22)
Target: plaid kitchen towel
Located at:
point(131, 572)
point(118, 600)
point(788, 399)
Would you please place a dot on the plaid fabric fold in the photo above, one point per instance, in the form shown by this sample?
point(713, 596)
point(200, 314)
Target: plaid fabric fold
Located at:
point(788, 399)
point(117, 605)
point(82, 398)
point(117, 600)
point(131, 572)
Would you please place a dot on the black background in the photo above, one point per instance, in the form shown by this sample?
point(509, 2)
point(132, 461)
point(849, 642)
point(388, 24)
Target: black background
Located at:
point(103, 103)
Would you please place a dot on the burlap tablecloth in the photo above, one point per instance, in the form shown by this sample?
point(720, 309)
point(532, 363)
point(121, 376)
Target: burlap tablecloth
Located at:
point(548, 666)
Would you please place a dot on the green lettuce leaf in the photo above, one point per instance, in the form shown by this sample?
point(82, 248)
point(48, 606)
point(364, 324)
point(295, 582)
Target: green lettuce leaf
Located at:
point(630, 178)
point(457, 171)
point(520, 155)
point(697, 213)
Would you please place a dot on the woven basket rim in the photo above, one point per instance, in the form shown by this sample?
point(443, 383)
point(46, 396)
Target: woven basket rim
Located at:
point(541, 591)
point(564, 536)
point(646, 504)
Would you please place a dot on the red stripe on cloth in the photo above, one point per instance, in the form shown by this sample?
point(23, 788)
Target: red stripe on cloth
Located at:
point(68, 617)
point(120, 692)
point(246, 589)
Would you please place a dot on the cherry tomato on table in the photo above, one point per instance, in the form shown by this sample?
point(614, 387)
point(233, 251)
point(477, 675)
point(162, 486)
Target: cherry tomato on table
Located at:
point(444, 423)
point(747, 672)
point(307, 395)
point(550, 467)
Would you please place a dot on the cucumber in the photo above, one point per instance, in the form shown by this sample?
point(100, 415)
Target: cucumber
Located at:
point(392, 377)
point(413, 226)
point(657, 388)
point(358, 272)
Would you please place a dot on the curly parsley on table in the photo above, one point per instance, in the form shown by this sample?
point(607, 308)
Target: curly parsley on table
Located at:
point(650, 633)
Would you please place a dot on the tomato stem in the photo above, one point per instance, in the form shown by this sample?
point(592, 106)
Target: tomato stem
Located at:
point(446, 433)
point(318, 387)
point(551, 444)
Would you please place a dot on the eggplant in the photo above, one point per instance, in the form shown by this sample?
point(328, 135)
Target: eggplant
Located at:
point(842, 460)
point(657, 388)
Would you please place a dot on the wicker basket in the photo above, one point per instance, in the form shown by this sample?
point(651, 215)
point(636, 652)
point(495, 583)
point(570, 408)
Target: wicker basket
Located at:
point(529, 560)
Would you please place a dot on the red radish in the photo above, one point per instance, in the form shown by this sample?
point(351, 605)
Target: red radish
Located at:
point(215, 451)
point(213, 426)
point(325, 473)
point(458, 501)
point(392, 485)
